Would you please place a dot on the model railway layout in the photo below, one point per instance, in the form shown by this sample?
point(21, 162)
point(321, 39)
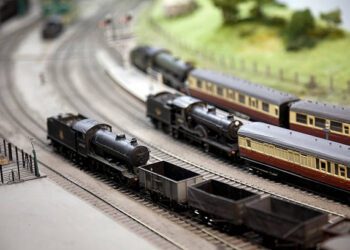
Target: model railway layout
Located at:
point(255, 101)
point(91, 143)
point(249, 124)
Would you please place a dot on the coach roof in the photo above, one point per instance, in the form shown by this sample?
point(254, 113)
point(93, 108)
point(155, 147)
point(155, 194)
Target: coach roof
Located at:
point(251, 89)
point(334, 112)
point(300, 142)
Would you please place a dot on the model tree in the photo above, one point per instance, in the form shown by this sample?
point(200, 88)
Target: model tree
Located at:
point(333, 18)
point(257, 10)
point(229, 9)
point(299, 29)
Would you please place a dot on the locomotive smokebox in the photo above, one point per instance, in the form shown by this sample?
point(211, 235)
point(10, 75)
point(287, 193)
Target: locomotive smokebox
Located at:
point(118, 146)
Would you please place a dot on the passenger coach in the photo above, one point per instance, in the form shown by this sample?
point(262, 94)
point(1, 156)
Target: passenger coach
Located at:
point(323, 120)
point(314, 158)
point(258, 102)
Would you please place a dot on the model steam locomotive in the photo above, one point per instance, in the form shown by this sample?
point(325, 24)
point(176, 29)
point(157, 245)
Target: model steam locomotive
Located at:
point(274, 148)
point(88, 141)
point(187, 116)
point(217, 203)
point(258, 102)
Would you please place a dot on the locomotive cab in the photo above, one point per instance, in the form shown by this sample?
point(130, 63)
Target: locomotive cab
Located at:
point(85, 131)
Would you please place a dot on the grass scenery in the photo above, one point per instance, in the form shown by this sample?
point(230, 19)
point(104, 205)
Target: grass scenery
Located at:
point(253, 50)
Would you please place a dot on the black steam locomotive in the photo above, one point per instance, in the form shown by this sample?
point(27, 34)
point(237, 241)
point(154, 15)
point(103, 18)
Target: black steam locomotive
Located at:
point(255, 101)
point(191, 118)
point(173, 70)
point(88, 141)
point(52, 27)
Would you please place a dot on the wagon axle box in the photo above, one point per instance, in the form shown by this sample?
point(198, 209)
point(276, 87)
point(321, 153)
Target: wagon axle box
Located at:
point(286, 221)
point(168, 180)
point(221, 200)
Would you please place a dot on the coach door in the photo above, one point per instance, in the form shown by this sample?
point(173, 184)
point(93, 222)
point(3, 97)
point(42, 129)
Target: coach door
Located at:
point(311, 121)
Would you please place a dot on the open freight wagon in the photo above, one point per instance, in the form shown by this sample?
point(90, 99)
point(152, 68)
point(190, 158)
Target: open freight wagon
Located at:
point(286, 221)
point(167, 181)
point(223, 202)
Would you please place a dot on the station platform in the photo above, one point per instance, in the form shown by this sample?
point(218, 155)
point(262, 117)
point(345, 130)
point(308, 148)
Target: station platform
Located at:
point(38, 214)
point(133, 81)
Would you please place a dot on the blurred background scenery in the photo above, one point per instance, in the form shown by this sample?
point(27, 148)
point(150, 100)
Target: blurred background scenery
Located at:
point(295, 46)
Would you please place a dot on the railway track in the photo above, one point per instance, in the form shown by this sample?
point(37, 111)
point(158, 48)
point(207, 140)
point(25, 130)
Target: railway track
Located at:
point(77, 100)
point(156, 153)
point(83, 104)
point(70, 95)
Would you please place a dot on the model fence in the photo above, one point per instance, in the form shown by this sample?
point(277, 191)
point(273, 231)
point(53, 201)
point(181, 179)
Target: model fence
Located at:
point(15, 164)
point(231, 65)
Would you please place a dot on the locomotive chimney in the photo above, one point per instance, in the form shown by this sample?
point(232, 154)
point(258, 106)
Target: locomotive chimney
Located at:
point(120, 136)
point(133, 141)
point(211, 109)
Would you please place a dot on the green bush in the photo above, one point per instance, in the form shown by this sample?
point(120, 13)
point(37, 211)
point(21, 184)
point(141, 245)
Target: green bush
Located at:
point(299, 30)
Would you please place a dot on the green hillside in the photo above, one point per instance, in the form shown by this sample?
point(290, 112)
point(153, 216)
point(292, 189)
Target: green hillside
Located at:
point(253, 51)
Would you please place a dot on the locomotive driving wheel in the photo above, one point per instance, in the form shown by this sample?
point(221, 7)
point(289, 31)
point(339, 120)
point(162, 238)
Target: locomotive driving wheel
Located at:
point(202, 133)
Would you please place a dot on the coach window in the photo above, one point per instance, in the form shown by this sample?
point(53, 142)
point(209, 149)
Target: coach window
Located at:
point(323, 165)
point(265, 107)
point(319, 122)
point(342, 171)
point(210, 87)
point(311, 121)
point(253, 102)
point(199, 84)
point(348, 172)
point(336, 169)
point(249, 144)
point(329, 170)
point(336, 126)
point(301, 118)
point(231, 94)
point(346, 129)
point(219, 90)
point(276, 111)
point(241, 98)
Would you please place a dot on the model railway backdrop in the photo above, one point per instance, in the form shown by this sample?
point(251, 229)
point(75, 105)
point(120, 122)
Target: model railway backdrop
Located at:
point(279, 222)
point(65, 9)
point(255, 101)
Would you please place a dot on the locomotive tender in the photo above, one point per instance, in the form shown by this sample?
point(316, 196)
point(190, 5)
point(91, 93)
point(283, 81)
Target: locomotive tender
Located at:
point(258, 102)
point(94, 143)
